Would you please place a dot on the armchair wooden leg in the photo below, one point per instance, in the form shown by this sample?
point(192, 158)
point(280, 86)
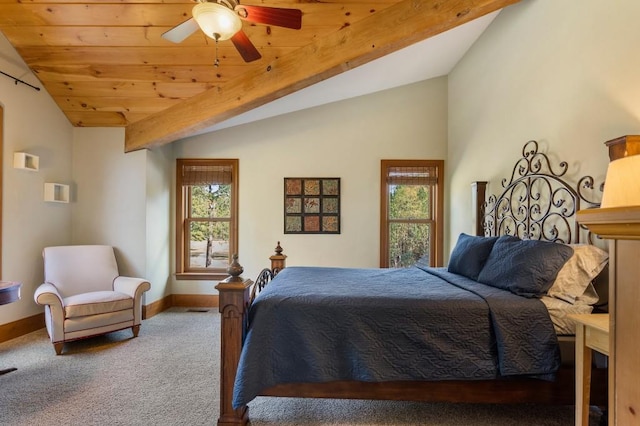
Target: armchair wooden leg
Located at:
point(135, 329)
point(58, 347)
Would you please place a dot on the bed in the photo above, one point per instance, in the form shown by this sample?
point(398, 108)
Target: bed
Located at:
point(489, 327)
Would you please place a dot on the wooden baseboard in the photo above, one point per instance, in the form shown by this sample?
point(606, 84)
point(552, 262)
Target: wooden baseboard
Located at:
point(156, 307)
point(36, 322)
point(21, 327)
point(195, 300)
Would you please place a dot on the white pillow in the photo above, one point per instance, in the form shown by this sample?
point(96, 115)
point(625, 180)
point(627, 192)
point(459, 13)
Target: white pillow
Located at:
point(559, 311)
point(573, 283)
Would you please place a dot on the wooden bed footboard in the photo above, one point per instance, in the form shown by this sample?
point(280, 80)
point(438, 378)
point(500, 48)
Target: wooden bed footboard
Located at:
point(235, 296)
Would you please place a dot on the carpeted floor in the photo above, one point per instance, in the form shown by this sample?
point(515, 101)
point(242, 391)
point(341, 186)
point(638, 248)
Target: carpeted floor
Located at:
point(169, 376)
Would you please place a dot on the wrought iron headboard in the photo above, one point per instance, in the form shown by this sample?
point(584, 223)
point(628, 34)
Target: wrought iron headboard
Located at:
point(538, 203)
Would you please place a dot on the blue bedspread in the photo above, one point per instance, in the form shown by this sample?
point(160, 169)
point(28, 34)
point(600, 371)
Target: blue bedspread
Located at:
point(315, 324)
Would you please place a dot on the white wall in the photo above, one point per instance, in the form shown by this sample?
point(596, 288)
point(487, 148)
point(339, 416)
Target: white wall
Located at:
point(159, 251)
point(345, 139)
point(126, 199)
point(32, 123)
point(564, 73)
point(109, 198)
point(123, 200)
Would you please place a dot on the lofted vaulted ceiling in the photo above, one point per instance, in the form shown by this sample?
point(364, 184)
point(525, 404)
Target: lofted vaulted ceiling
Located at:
point(105, 63)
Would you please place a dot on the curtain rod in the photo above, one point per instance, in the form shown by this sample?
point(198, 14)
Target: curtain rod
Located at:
point(17, 80)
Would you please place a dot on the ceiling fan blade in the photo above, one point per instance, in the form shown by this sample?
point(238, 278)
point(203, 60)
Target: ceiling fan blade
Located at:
point(287, 18)
point(181, 31)
point(247, 50)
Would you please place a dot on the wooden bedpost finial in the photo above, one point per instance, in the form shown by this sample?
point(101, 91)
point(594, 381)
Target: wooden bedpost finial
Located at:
point(278, 260)
point(235, 269)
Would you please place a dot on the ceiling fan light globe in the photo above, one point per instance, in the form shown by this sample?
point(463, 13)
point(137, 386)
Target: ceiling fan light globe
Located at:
point(216, 21)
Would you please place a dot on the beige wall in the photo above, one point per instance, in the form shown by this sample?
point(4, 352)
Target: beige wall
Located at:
point(564, 73)
point(34, 124)
point(345, 139)
point(123, 200)
point(159, 229)
point(109, 205)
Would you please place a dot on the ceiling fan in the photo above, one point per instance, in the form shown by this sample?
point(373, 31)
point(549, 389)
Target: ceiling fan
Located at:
point(221, 20)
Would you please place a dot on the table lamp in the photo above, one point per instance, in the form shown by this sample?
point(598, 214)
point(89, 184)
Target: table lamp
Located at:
point(622, 184)
point(619, 211)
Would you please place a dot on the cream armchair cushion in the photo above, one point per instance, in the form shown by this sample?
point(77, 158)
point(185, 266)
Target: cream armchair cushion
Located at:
point(84, 295)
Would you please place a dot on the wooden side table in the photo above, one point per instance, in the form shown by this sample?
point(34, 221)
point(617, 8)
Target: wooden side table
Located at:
point(621, 225)
point(592, 333)
point(9, 292)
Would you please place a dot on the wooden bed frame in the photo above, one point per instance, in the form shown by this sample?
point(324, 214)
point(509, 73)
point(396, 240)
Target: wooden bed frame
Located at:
point(528, 216)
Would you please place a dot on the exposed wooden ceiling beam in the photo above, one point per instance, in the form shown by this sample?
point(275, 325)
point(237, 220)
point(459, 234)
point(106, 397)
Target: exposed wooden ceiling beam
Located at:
point(383, 32)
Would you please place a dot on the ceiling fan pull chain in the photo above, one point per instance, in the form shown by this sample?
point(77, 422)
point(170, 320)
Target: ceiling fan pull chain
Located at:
point(216, 63)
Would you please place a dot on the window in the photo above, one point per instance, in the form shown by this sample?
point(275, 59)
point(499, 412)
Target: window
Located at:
point(1, 150)
point(411, 212)
point(206, 217)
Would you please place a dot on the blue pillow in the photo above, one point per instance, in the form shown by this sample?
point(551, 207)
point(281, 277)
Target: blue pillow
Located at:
point(524, 267)
point(470, 254)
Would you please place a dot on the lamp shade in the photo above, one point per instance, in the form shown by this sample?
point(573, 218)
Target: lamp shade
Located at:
point(622, 184)
point(216, 21)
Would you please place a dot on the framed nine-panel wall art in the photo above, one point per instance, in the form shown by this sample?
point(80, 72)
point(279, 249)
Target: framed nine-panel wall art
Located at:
point(311, 205)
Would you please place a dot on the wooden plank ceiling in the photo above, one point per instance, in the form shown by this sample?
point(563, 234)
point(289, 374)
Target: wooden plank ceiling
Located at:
point(105, 63)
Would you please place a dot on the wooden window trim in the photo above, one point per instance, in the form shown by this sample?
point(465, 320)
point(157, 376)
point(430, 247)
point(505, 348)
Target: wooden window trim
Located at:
point(1, 174)
point(182, 270)
point(438, 214)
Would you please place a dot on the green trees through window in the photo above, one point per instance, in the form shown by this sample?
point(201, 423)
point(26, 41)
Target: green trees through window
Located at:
point(206, 217)
point(411, 212)
point(209, 225)
point(409, 223)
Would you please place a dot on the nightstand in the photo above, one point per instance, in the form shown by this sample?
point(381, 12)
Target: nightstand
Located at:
point(621, 225)
point(592, 333)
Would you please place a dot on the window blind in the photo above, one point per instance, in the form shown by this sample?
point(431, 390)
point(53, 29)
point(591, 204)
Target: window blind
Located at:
point(196, 174)
point(398, 175)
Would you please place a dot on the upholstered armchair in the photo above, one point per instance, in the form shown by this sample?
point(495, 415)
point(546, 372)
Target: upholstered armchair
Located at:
point(84, 295)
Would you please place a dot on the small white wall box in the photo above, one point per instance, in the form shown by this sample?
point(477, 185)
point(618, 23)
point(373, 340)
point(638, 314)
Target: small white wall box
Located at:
point(22, 160)
point(56, 192)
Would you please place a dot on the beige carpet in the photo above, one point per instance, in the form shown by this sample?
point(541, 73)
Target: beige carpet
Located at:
point(169, 376)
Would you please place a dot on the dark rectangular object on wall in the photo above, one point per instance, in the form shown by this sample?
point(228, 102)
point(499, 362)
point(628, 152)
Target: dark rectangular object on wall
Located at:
point(311, 205)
